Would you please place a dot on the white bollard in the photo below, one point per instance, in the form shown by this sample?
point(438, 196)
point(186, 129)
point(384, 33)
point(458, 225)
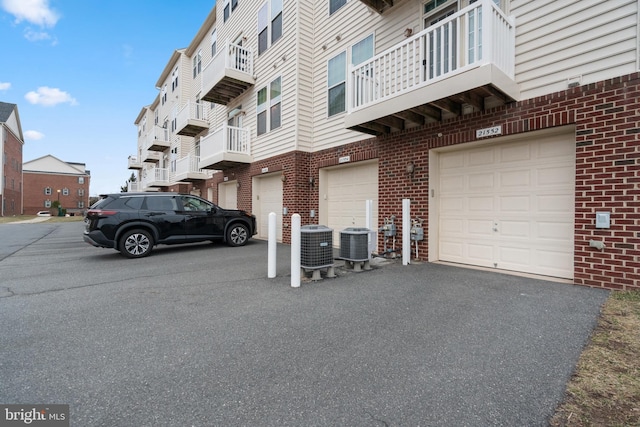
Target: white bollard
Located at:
point(295, 250)
point(406, 231)
point(371, 243)
point(271, 252)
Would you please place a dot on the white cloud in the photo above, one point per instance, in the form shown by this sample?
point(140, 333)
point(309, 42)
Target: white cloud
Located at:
point(36, 12)
point(5, 86)
point(35, 36)
point(49, 96)
point(33, 135)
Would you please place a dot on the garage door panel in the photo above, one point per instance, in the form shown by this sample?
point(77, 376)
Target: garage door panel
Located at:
point(517, 152)
point(517, 229)
point(348, 189)
point(516, 208)
point(481, 182)
point(514, 204)
point(269, 191)
point(481, 204)
point(481, 157)
point(520, 178)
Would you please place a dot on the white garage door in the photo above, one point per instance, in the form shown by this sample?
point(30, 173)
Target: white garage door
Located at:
point(228, 195)
point(509, 206)
point(267, 196)
point(345, 190)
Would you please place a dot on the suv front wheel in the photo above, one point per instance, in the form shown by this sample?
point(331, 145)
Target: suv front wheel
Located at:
point(237, 235)
point(135, 244)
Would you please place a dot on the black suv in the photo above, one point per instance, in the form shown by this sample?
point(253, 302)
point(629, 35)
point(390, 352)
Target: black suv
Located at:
point(134, 222)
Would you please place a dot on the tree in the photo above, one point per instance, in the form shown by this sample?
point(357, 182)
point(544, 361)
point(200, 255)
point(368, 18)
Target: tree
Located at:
point(125, 187)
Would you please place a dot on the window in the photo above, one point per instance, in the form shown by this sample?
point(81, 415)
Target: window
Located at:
point(80, 191)
point(155, 117)
point(47, 191)
point(214, 42)
point(362, 51)
point(174, 79)
point(336, 82)
point(197, 64)
point(81, 205)
point(270, 96)
point(174, 159)
point(229, 6)
point(65, 191)
point(163, 94)
point(81, 180)
point(269, 22)
point(335, 5)
point(47, 203)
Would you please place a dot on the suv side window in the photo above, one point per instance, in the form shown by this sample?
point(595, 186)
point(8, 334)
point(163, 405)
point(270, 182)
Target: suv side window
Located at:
point(126, 203)
point(194, 204)
point(161, 203)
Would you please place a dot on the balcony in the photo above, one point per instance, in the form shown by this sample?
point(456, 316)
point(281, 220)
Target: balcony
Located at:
point(187, 169)
point(226, 147)
point(151, 156)
point(158, 139)
point(192, 119)
point(134, 187)
point(155, 177)
point(463, 64)
point(228, 74)
point(134, 162)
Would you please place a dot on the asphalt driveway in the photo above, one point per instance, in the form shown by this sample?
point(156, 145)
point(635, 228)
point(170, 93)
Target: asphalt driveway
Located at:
point(198, 336)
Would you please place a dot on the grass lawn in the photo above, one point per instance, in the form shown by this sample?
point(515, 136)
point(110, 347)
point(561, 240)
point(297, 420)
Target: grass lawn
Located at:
point(605, 387)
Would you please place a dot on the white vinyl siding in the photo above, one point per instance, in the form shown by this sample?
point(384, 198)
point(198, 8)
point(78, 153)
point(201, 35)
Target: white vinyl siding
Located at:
point(588, 41)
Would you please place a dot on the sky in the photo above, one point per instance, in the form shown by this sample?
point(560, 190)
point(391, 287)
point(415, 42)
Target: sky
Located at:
point(80, 72)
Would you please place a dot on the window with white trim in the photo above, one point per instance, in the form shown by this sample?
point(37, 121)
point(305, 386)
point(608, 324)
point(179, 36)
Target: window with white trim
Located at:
point(214, 43)
point(81, 180)
point(80, 191)
point(174, 79)
point(229, 6)
point(197, 63)
point(163, 94)
point(335, 5)
point(269, 107)
point(47, 191)
point(336, 84)
point(269, 24)
point(65, 191)
point(81, 205)
point(47, 203)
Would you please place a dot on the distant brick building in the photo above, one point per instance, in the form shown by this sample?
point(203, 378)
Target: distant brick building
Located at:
point(49, 179)
point(11, 142)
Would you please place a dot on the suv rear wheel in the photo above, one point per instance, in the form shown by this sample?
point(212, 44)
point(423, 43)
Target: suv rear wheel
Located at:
point(135, 243)
point(237, 234)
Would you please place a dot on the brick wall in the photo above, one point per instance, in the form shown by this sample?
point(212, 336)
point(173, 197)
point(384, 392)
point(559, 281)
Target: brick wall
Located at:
point(12, 171)
point(606, 116)
point(35, 197)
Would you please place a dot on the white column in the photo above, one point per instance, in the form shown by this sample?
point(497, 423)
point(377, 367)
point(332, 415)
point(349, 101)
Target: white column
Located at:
point(406, 231)
point(295, 250)
point(271, 253)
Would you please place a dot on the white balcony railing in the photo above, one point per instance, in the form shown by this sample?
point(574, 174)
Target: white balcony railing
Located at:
point(233, 57)
point(133, 187)
point(134, 162)
point(157, 136)
point(228, 74)
point(476, 35)
point(155, 177)
point(225, 140)
point(193, 111)
point(187, 167)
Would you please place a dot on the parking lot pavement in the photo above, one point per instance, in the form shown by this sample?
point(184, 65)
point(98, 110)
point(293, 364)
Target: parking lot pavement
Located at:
point(198, 336)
